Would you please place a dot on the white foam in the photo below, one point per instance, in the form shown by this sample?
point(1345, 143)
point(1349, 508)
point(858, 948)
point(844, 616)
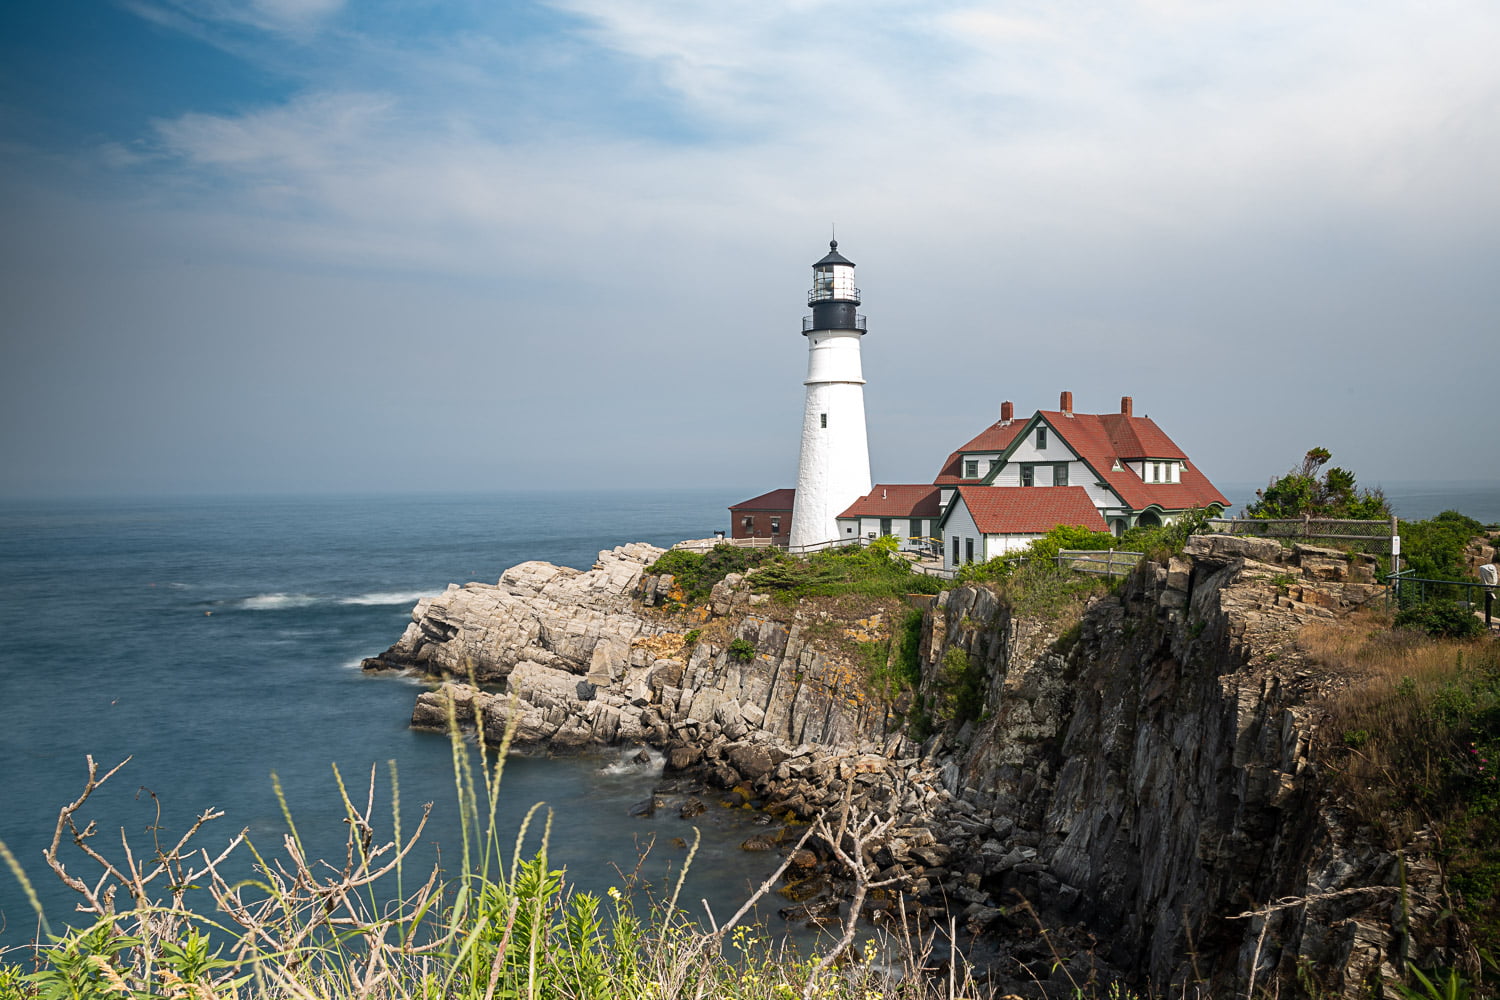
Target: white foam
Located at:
point(275, 602)
point(386, 597)
point(626, 764)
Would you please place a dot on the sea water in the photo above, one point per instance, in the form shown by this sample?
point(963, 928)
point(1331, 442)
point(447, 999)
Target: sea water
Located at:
point(216, 642)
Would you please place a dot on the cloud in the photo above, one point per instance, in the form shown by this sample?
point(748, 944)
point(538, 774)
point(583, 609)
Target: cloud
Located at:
point(1159, 199)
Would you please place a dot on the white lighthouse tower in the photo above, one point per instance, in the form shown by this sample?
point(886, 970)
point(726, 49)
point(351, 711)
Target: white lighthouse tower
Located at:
point(834, 470)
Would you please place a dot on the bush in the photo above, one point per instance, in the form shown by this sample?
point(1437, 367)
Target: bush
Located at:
point(1042, 551)
point(1434, 549)
point(742, 650)
point(697, 572)
point(1451, 619)
point(876, 570)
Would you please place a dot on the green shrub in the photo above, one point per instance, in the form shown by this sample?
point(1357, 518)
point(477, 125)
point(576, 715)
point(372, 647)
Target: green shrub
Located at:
point(742, 650)
point(1434, 549)
point(697, 572)
point(875, 570)
point(1162, 541)
point(1452, 619)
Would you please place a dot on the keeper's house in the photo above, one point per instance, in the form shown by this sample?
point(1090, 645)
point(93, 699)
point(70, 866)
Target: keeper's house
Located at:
point(1018, 479)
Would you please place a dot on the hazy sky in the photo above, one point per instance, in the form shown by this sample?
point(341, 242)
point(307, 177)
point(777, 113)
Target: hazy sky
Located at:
point(293, 245)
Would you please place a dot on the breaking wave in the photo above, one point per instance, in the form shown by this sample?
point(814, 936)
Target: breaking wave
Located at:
point(276, 602)
point(386, 597)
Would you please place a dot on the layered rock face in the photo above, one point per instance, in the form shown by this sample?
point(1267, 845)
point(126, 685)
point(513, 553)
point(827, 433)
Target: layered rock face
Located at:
point(1141, 780)
point(1161, 761)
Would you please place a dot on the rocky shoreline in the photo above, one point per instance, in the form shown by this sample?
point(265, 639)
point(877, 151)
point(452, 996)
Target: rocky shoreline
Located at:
point(1135, 782)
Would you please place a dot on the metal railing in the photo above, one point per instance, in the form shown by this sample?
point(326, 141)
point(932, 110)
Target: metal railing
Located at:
point(1409, 589)
point(828, 293)
point(859, 324)
point(1100, 562)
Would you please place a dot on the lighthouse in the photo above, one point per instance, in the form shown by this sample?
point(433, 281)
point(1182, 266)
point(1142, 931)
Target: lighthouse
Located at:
point(834, 468)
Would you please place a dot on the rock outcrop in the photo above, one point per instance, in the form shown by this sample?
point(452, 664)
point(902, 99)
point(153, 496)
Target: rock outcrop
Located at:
point(1142, 779)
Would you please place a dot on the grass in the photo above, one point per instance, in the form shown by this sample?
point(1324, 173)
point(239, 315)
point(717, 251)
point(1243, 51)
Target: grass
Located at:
point(170, 922)
point(1416, 744)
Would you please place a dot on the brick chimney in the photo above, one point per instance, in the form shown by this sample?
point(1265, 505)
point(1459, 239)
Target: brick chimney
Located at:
point(1066, 402)
point(1007, 411)
point(1127, 405)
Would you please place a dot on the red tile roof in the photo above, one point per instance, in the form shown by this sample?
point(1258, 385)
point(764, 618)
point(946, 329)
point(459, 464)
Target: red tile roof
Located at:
point(1102, 439)
point(774, 500)
point(904, 500)
point(1029, 510)
point(994, 438)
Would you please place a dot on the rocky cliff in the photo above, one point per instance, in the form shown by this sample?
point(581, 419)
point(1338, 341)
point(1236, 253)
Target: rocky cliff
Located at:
point(1145, 778)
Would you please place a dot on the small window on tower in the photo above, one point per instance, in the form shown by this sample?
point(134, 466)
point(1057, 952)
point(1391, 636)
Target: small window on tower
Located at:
point(823, 420)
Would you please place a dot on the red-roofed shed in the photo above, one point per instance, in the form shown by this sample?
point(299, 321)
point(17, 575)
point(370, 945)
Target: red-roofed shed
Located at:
point(766, 516)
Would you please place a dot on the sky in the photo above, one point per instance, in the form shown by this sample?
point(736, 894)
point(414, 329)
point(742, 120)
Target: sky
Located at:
point(398, 245)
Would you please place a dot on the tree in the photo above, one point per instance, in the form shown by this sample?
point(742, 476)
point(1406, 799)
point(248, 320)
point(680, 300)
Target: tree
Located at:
point(1333, 494)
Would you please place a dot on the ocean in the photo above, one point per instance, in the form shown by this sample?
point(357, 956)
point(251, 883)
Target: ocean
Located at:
point(214, 642)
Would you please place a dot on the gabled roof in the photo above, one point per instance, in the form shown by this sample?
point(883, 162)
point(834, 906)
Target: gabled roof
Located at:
point(1029, 510)
point(774, 500)
point(995, 438)
point(1131, 437)
point(1102, 439)
point(904, 500)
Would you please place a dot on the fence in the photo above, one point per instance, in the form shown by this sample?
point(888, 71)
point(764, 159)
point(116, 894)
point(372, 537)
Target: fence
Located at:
point(1100, 562)
point(1374, 533)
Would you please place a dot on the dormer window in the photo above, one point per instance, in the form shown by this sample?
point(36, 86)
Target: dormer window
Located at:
point(971, 468)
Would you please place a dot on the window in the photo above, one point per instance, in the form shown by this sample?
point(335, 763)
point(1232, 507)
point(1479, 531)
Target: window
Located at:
point(775, 525)
point(968, 550)
point(1041, 439)
point(916, 527)
point(1060, 474)
point(749, 523)
point(885, 526)
point(955, 551)
point(993, 463)
point(823, 419)
point(971, 468)
point(1028, 475)
point(1156, 472)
